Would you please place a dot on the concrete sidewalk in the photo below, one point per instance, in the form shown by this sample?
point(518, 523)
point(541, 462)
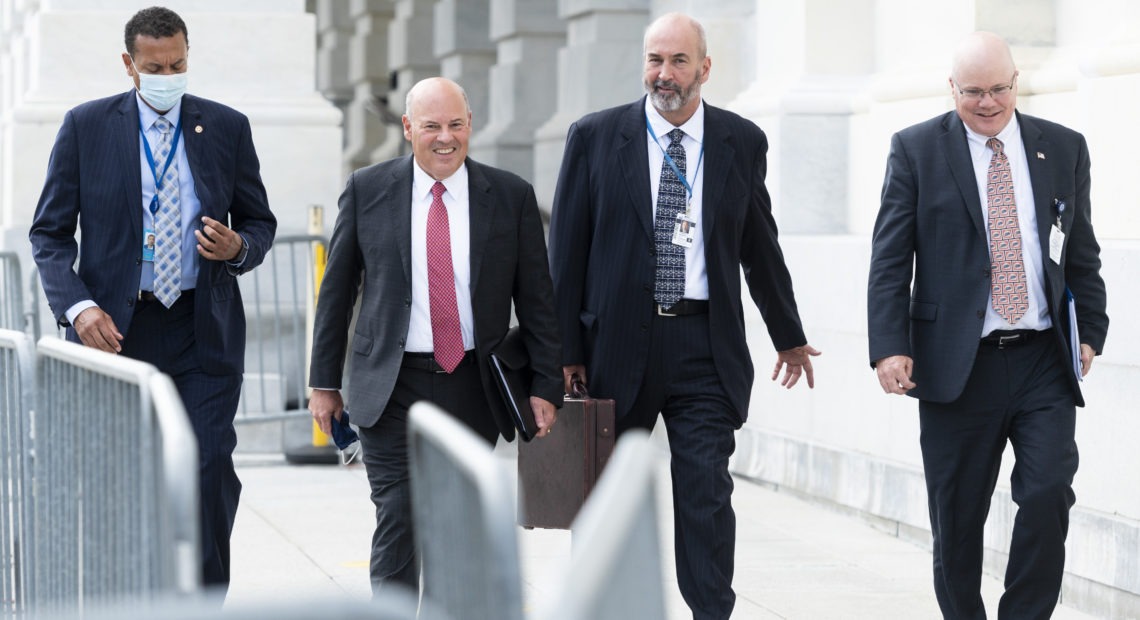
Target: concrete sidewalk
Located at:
point(303, 532)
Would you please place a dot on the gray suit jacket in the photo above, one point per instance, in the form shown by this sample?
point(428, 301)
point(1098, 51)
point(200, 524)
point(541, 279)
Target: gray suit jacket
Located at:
point(370, 254)
point(930, 232)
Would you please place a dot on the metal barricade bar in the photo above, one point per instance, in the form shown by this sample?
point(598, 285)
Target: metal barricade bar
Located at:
point(115, 480)
point(463, 507)
point(11, 292)
point(17, 387)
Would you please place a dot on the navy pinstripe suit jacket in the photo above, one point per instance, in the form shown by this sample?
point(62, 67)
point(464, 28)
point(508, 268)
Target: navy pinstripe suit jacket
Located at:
point(94, 183)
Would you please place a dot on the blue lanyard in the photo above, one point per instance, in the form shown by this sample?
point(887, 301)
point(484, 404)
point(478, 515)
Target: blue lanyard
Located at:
point(150, 160)
point(673, 164)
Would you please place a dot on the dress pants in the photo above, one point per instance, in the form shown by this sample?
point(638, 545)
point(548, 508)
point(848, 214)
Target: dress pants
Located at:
point(681, 384)
point(385, 451)
point(165, 338)
point(1021, 395)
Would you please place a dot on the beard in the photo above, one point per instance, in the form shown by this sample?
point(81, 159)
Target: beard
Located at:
point(673, 97)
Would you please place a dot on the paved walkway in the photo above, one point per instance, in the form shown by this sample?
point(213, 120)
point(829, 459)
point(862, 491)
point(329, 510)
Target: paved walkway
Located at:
point(303, 532)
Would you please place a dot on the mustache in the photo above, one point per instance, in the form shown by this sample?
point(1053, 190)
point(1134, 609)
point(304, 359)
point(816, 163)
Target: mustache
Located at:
point(666, 84)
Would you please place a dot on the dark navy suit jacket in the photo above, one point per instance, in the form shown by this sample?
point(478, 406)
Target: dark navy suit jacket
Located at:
point(94, 182)
point(602, 250)
point(930, 232)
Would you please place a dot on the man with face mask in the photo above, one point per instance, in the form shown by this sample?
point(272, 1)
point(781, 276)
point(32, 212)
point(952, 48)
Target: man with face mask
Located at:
point(166, 190)
point(671, 192)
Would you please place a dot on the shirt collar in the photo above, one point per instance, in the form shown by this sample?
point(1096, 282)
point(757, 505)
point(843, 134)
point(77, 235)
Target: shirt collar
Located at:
point(422, 182)
point(148, 116)
point(1010, 132)
point(694, 127)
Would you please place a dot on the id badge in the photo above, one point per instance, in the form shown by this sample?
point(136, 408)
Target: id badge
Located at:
point(684, 229)
point(148, 245)
point(1056, 243)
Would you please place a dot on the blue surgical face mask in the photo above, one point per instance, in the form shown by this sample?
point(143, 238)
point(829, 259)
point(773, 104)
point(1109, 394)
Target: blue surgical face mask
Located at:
point(161, 91)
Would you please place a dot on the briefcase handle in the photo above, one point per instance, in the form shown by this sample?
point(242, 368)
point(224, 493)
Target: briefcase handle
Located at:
point(578, 387)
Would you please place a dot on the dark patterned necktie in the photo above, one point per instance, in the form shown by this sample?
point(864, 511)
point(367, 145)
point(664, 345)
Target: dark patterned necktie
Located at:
point(671, 199)
point(1010, 299)
point(446, 332)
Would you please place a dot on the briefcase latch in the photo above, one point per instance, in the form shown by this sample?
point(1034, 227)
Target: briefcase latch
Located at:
point(604, 431)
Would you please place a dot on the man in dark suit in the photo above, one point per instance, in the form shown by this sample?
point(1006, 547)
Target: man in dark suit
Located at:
point(167, 193)
point(985, 221)
point(650, 313)
point(438, 246)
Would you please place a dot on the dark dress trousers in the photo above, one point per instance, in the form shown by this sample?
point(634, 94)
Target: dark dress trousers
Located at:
point(94, 184)
point(696, 370)
point(370, 257)
point(928, 292)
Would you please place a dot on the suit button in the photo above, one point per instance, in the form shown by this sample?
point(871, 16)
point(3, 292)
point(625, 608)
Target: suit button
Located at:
point(138, 261)
point(985, 273)
point(407, 301)
point(981, 314)
point(652, 252)
point(401, 343)
point(130, 301)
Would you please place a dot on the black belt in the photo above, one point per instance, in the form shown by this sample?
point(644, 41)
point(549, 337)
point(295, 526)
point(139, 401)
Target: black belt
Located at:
point(426, 361)
point(1004, 339)
point(149, 295)
point(683, 307)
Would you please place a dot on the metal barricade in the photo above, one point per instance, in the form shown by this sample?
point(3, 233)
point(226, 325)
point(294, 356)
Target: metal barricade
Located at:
point(390, 604)
point(463, 507)
point(279, 296)
point(615, 572)
point(115, 481)
point(17, 386)
point(11, 292)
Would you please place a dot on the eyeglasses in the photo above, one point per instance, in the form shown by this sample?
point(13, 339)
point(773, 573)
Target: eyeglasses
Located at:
point(997, 91)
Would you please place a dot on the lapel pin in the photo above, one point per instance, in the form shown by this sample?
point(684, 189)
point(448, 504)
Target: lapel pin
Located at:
point(198, 129)
point(1040, 155)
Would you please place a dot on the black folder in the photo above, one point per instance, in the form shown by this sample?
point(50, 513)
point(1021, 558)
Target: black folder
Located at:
point(510, 369)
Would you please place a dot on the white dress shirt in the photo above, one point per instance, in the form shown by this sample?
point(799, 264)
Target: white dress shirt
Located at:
point(455, 199)
point(696, 275)
point(1037, 316)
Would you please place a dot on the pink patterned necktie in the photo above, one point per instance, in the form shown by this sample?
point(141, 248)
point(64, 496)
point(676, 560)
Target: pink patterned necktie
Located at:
point(1010, 299)
point(446, 334)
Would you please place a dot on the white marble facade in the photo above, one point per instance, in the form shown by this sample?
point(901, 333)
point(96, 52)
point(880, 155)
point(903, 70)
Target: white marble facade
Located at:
point(828, 80)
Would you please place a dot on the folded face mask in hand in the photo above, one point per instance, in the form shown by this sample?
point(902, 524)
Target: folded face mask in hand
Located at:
point(342, 434)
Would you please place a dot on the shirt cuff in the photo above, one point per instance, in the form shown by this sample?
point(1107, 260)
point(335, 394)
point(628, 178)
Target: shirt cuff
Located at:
point(73, 312)
point(239, 260)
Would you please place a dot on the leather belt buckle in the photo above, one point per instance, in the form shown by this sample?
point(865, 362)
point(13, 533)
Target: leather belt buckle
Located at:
point(1012, 339)
point(661, 310)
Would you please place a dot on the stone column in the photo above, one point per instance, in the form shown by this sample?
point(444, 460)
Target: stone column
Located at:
point(523, 94)
point(367, 71)
point(599, 67)
point(465, 50)
point(411, 59)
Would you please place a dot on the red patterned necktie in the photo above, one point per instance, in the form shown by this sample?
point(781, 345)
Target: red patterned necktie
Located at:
point(446, 334)
point(1010, 299)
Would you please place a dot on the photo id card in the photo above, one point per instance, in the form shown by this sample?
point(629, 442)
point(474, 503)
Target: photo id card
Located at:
point(684, 229)
point(148, 245)
point(1056, 243)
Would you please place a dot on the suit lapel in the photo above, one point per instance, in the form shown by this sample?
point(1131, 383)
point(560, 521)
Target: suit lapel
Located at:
point(719, 153)
point(1036, 153)
point(195, 144)
point(634, 160)
point(397, 190)
point(957, 153)
point(126, 149)
point(481, 215)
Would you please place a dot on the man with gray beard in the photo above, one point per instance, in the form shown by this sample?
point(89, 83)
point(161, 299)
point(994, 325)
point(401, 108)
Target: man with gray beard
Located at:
point(659, 204)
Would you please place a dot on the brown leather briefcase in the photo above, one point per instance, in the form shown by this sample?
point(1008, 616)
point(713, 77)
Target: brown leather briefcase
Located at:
point(558, 471)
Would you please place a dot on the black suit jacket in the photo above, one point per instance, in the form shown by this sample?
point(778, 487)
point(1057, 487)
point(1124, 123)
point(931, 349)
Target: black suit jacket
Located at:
point(370, 253)
point(94, 183)
point(602, 250)
point(930, 232)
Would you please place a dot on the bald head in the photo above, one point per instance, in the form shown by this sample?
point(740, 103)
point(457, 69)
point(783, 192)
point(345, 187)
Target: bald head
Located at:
point(434, 88)
point(677, 24)
point(979, 52)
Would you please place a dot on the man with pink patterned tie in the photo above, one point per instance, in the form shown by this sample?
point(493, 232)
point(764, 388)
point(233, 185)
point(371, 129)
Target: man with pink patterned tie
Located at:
point(983, 235)
point(438, 247)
